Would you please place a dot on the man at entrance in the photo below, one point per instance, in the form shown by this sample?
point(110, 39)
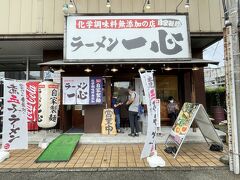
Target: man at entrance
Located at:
point(133, 102)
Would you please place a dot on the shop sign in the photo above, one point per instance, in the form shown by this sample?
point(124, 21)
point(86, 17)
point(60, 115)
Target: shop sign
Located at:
point(192, 112)
point(15, 134)
point(108, 122)
point(127, 37)
point(150, 94)
point(82, 90)
point(183, 122)
point(48, 104)
point(32, 104)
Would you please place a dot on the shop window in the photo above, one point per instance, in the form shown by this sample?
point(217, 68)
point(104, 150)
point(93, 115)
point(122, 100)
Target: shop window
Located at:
point(121, 88)
point(2, 75)
point(167, 86)
point(19, 75)
point(35, 75)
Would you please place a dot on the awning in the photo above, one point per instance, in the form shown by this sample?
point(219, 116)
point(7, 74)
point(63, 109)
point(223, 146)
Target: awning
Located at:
point(62, 62)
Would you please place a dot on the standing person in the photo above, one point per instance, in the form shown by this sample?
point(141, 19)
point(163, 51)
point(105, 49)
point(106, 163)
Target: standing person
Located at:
point(173, 109)
point(133, 102)
point(116, 106)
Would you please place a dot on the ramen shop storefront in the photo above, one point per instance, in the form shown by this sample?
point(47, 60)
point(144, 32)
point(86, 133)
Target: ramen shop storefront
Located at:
point(126, 43)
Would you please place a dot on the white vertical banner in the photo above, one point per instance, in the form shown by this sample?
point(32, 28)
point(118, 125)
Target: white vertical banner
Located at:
point(15, 133)
point(150, 94)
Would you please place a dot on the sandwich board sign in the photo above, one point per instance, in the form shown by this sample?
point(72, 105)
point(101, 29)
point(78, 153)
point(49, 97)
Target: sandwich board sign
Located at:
point(108, 125)
point(192, 112)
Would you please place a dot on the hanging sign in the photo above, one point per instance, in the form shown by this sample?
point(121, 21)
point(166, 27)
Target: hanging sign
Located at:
point(95, 90)
point(48, 104)
point(69, 87)
point(150, 94)
point(15, 135)
point(82, 90)
point(127, 37)
point(32, 104)
point(108, 122)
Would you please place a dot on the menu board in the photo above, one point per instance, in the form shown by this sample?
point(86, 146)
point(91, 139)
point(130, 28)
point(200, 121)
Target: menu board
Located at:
point(183, 122)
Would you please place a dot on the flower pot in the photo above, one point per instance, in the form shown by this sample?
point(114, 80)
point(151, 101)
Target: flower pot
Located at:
point(218, 114)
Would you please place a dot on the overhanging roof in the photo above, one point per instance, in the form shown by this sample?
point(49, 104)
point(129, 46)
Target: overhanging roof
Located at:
point(61, 62)
point(13, 58)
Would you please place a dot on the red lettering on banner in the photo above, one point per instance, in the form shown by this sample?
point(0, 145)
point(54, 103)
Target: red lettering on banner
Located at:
point(7, 146)
point(152, 94)
point(53, 86)
point(14, 99)
point(32, 101)
point(98, 80)
point(116, 23)
point(41, 86)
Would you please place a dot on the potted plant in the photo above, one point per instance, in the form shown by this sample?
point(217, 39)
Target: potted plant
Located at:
point(217, 110)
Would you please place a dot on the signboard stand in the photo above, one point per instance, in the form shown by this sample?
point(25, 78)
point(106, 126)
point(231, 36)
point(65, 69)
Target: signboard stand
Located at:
point(192, 112)
point(108, 125)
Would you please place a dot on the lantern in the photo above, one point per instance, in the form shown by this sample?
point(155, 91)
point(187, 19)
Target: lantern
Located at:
point(48, 104)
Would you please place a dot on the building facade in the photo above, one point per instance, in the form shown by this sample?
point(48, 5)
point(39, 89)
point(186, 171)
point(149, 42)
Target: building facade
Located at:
point(32, 32)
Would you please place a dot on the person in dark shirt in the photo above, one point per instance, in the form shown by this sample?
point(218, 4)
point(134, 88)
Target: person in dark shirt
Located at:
point(173, 109)
point(116, 103)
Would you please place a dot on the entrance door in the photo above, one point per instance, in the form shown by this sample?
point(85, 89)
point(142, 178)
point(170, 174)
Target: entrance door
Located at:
point(121, 88)
point(166, 85)
point(77, 119)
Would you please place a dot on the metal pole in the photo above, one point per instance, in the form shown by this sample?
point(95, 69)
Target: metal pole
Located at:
point(234, 84)
point(228, 84)
point(236, 90)
point(27, 69)
point(65, 39)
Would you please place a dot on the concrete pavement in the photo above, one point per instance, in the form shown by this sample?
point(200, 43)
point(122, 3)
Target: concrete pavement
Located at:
point(121, 138)
point(121, 174)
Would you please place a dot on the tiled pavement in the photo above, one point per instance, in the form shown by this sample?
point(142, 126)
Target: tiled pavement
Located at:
point(115, 156)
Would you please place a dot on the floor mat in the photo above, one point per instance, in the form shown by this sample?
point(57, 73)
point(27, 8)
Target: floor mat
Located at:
point(60, 149)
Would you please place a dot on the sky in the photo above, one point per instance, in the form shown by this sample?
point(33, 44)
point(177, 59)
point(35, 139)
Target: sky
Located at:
point(215, 52)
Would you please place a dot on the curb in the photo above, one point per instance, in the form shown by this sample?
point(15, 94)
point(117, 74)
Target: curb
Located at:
point(22, 170)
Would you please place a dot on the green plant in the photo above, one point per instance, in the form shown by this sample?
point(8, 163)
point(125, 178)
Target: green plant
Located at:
point(215, 97)
point(216, 90)
point(218, 101)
